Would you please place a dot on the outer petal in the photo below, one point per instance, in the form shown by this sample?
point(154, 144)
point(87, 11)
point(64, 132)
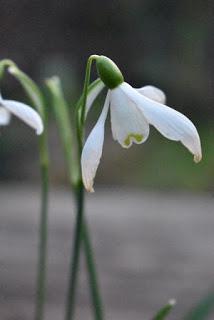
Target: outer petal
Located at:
point(93, 95)
point(127, 121)
point(92, 150)
point(153, 93)
point(4, 117)
point(171, 123)
point(25, 113)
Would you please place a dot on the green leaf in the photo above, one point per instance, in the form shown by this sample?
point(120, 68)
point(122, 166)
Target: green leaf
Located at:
point(62, 116)
point(164, 312)
point(203, 309)
point(63, 120)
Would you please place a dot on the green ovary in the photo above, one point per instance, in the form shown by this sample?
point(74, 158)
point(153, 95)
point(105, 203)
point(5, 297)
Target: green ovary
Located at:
point(133, 136)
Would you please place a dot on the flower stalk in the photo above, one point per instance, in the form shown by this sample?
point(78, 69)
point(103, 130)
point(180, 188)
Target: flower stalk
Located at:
point(37, 101)
point(81, 110)
point(81, 229)
point(43, 237)
point(43, 229)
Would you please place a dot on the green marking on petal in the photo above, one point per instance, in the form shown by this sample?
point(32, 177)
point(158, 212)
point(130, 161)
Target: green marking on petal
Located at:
point(133, 136)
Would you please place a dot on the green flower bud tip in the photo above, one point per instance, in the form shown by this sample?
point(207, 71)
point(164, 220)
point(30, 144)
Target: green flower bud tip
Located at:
point(108, 72)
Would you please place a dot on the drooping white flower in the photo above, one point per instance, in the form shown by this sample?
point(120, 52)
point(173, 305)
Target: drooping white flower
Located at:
point(132, 112)
point(21, 111)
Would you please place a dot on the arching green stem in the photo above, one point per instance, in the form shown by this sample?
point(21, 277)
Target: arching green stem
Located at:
point(37, 101)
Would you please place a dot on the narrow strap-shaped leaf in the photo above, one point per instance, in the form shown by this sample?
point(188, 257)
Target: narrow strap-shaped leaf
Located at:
point(203, 309)
point(62, 116)
point(164, 312)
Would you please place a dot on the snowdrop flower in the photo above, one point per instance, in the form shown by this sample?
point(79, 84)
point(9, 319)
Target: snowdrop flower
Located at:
point(132, 111)
point(21, 111)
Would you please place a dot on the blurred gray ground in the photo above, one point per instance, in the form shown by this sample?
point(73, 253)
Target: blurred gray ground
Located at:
point(149, 247)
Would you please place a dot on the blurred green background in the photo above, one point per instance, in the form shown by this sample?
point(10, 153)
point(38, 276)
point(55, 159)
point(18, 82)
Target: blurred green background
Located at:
point(168, 44)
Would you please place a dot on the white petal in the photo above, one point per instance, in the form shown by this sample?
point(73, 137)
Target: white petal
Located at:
point(93, 94)
point(92, 150)
point(127, 122)
point(4, 117)
point(171, 123)
point(153, 93)
point(25, 113)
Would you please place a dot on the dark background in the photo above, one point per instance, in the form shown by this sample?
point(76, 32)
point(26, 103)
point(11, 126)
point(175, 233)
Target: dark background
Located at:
point(169, 44)
point(150, 245)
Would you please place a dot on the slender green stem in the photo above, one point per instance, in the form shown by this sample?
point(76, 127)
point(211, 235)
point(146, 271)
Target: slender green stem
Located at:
point(81, 231)
point(85, 93)
point(43, 229)
point(66, 135)
point(75, 255)
point(42, 259)
point(41, 273)
point(92, 274)
point(82, 234)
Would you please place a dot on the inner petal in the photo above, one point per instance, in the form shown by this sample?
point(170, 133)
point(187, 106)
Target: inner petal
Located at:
point(153, 93)
point(128, 123)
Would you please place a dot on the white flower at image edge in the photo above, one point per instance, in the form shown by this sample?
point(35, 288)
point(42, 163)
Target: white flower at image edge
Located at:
point(21, 111)
point(132, 111)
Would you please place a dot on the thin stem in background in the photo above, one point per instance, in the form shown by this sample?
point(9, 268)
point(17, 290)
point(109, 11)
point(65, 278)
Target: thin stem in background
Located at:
point(82, 235)
point(37, 100)
point(70, 304)
point(92, 274)
point(43, 232)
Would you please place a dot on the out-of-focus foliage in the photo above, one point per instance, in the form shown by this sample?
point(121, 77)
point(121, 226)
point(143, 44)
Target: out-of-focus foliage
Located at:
point(203, 309)
point(164, 311)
